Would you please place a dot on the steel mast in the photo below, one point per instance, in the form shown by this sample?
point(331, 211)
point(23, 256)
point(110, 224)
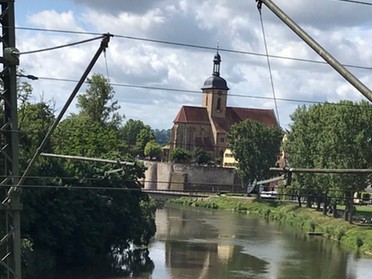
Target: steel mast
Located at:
point(317, 48)
point(10, 243)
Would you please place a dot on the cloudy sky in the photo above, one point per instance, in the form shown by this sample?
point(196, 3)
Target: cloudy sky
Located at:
point(162, 52)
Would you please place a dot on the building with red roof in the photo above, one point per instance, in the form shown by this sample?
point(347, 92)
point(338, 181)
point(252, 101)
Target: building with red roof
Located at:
point(207, 126)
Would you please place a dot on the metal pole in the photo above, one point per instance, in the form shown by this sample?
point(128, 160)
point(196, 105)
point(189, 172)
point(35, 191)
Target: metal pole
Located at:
point(87, 159)
point(103, 46)
point(318, 49)
point(11, 243)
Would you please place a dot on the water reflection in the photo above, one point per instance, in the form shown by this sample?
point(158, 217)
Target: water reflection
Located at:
point(197, 243)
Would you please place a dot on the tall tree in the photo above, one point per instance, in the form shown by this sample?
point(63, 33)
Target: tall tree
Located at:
point(136, 134)
point(332, 136)
point(162, 136)
point(145, 136)
point(79, 195)
point(256, 147)
point(153, 150)
point(97, 102)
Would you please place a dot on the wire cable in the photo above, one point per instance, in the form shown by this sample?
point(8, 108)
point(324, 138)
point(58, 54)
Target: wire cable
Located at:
point(61, 46)
point(158, 88)
point(355, 2)
point(187, 91)
point(269, 66)
point(195, 46)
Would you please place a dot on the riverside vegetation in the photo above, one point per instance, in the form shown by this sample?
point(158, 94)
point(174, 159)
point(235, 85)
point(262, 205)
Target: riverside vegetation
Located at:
point(350, 236)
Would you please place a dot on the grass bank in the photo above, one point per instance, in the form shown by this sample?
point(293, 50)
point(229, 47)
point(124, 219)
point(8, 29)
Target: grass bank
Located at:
point(308, 220)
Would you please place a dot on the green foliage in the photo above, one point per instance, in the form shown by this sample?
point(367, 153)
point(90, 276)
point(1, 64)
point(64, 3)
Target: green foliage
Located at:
point(201, 157)
point(136, 134)
point(256, 147)
point(153, 150)
point(34, 123)
point(180, 155)
point(97, 102)
point(359, 242)
point(331, 136)
point(143, 138)
point(84, 216)
point(131, 130)
point(366, 196)
point(162, 136)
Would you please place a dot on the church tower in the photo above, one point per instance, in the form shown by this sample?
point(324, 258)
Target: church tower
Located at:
point(215, 91)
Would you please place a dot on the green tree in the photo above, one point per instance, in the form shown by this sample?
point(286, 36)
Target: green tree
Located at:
point(180, 155)
point(201, 157)
point(136, 134)
point(144, 136)
point(153, 150)
point(97, 102)
point(81, 196)
point(256, 147)
point(332, 136)
point(34, 122)
point(162, 136)
point(131, 130)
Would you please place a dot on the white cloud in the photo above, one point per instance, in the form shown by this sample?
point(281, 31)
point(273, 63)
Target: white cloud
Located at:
point(343, 29)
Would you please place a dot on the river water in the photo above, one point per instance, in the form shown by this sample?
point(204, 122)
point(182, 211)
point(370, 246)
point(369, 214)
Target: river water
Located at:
point(202, 243)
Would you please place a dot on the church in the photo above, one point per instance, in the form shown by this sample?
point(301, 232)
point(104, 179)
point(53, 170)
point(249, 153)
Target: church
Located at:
point(206, 127)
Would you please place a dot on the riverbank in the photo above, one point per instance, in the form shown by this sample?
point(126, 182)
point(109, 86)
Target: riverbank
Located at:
point(350, 236)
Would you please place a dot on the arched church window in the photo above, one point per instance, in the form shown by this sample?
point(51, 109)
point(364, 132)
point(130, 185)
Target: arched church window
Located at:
point(219, 103)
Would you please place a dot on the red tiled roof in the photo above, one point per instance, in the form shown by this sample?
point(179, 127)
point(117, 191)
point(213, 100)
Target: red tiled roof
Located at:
point(236, 115)
point(265, 116)
point(199, 115)
point(188, 114)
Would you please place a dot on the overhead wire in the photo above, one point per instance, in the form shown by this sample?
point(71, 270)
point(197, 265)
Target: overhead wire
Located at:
point(355, 2)
point(61, 46)
point(195, 46)
point(269, 66)
point(214, 187)
point(179, 90)
point(186, 45)
point(159, 88)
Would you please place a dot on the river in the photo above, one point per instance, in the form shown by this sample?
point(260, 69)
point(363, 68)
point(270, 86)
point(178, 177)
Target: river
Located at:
point(202, 243)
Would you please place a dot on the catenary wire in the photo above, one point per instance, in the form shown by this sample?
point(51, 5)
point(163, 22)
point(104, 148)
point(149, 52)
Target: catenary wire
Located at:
point(214, 187)
point(355, 2)
point(199, 47)
point(198, 92)
point(61, 46)
point(194, 46)
point(269, 67)
point(185, 90)
point(188, 45)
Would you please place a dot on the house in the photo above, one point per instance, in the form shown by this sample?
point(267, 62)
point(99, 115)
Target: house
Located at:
point(229, 160)
point(207, 126)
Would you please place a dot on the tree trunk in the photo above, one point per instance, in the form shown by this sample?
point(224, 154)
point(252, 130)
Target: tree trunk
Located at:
point(334, 209)
point(325, 205)
point(308, 202)
point(318, 203)
point(346, 211)
point(299, 201)
point(351, 210)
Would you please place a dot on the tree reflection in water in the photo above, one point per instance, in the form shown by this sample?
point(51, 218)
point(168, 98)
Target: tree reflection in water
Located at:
point(132, 262)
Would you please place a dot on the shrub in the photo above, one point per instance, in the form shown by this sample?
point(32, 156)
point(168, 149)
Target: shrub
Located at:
point(359, 242)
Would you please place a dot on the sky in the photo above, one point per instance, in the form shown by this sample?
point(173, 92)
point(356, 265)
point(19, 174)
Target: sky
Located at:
point(162, 52)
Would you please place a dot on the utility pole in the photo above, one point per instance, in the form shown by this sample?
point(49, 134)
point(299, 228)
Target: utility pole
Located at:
point(317, 48)
point(10, 243)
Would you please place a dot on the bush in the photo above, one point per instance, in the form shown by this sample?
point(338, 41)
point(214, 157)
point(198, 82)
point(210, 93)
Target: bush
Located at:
point(179, 155)
point(340, 233)
point(359, 242)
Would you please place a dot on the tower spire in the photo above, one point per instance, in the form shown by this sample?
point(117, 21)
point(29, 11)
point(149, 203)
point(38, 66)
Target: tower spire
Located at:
point(217, 62)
